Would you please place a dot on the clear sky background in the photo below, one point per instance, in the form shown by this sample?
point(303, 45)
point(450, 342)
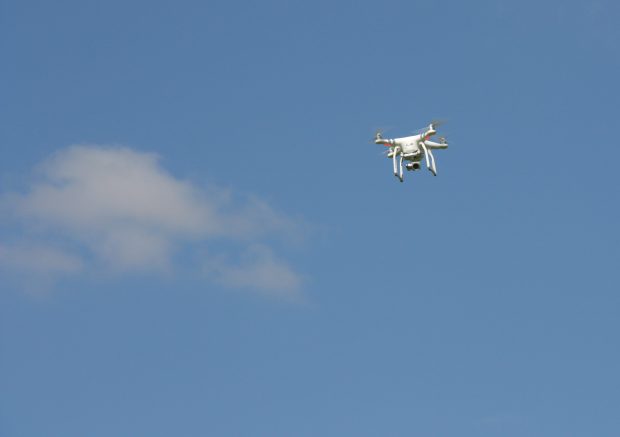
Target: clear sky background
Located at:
point(198, 239)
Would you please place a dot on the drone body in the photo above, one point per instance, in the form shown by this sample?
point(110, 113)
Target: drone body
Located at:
point(413, 149)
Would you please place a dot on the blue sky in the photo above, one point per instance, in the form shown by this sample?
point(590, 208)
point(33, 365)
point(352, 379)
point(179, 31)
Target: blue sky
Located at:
point(197, 238)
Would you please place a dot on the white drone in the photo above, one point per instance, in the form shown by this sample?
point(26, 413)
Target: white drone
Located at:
point(413, 149)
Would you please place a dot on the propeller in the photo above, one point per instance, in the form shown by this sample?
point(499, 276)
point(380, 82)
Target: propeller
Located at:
point(379, 131)
point(432, 127)
point(436, 123)
point(378, 137)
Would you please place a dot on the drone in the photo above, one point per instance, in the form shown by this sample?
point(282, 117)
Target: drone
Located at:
point(413, 149)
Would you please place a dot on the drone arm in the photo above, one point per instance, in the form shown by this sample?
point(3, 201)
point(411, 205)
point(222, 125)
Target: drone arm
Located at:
point(434, 145)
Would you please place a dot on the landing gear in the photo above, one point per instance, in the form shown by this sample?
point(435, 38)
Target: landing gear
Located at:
point(430, 159)
point(397, 173)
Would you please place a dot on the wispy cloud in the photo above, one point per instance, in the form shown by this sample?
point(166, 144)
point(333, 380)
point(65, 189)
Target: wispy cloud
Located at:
point(257, 268)
point(123, 212)
point(37, 258)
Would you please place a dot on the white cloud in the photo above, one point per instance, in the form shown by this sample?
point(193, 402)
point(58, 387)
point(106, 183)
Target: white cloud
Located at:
point(258, 269)
point(38, 259)
point(126, 213)
point(95, 189)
